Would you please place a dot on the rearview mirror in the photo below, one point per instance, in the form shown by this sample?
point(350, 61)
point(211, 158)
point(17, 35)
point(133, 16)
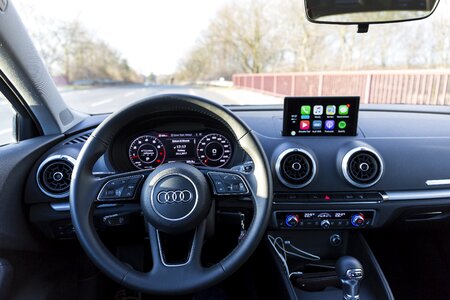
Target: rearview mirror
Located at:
point(365, 12)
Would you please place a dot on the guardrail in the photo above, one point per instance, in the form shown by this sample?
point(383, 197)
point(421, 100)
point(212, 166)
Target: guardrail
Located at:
point(374, 87)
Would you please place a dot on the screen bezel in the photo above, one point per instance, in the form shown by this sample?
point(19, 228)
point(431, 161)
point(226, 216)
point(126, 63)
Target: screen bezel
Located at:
point(313, 100)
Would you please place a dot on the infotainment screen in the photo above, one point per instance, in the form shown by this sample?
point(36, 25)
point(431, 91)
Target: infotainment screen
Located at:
point(320, 116)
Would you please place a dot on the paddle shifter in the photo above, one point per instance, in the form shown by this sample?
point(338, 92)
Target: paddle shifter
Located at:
point(350, 271)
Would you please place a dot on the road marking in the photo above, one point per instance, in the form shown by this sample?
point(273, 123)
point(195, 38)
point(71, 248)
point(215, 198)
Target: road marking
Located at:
point(130, 94)
point(101, 102)
point(5, 131)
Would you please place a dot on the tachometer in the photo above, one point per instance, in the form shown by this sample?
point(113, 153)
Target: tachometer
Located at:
point(146, 152)
point(214, 150)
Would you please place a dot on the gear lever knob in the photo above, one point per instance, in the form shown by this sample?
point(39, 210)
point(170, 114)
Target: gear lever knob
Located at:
point(350, 272)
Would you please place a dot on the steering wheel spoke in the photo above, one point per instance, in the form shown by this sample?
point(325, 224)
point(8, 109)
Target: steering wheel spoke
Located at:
point(192, 260)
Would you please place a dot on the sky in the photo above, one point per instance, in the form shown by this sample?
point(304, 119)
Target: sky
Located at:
point(152, 35)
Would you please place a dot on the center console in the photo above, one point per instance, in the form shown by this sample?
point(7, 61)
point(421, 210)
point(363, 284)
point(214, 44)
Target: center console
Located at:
point(315, 238)
point(311, 262)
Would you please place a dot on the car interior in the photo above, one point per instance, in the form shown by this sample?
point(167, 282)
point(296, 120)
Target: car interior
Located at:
point(176, 196)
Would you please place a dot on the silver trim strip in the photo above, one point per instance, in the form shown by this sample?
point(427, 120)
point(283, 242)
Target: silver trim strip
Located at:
point(41, 166)
point(62, 206)
point(387, 196)
point(418, 195)
point(190, 254)
point(65, 206)
point(438, 182)
point(327, 203)
point(103, 173)
point(345, 171)
point(278, 167)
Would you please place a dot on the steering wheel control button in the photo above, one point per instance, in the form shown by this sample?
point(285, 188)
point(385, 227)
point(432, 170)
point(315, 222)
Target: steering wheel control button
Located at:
point(175, 197)
point(120, 189)
point(228, 184)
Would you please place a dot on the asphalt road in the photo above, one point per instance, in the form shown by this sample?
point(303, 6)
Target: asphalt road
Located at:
point(110, 99)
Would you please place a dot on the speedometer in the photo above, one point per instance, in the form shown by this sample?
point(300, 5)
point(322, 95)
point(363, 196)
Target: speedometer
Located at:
point(214, 150)
point(146, 152)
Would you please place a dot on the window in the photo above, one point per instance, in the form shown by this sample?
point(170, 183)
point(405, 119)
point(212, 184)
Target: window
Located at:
point(234, 52)
point(6, 122)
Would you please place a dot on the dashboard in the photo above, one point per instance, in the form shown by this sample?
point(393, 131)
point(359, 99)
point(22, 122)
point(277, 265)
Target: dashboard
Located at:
point(393, 168)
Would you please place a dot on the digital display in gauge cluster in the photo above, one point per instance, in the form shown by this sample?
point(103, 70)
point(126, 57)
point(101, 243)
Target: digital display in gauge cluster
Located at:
point(196, 148)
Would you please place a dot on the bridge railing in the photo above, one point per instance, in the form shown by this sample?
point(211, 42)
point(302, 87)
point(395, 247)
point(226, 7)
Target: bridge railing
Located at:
point(375, 87)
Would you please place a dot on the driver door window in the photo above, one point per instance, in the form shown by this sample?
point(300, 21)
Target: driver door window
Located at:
point(7, 114)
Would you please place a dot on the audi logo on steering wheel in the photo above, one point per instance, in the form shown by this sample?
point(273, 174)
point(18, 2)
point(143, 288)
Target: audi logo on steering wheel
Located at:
point(169, 197)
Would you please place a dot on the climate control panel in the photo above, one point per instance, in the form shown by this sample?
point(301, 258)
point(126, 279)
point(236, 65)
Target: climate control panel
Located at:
point(332, 219)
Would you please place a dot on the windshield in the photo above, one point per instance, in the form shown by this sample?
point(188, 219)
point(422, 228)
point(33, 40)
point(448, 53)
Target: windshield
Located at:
point(104, 55)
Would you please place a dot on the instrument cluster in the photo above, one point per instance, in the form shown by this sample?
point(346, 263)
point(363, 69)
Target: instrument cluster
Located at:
point(201, 148)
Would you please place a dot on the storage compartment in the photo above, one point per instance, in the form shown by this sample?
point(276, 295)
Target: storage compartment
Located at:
point(311, 257)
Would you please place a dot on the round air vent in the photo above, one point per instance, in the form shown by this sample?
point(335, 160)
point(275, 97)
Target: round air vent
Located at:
point(295, 168)
point(54, 174)
point(362, 167)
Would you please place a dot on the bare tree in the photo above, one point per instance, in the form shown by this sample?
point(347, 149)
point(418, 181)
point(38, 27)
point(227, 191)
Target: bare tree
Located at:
point(253, 36)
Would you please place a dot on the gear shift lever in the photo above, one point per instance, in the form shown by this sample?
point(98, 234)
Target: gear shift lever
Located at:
point(350, 273)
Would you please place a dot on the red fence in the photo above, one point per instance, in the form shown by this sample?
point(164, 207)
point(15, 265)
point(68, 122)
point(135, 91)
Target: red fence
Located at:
point(380, 87)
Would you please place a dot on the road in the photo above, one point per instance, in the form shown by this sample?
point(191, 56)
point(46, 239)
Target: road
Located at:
point(111, 99)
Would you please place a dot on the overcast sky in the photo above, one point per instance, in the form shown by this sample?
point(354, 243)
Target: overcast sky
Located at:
point(152, 35)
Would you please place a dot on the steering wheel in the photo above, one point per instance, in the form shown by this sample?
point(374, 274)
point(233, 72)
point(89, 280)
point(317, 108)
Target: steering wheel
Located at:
point(174, 198)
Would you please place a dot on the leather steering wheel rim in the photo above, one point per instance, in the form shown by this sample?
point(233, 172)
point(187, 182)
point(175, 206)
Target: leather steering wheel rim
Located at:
point(167, 279)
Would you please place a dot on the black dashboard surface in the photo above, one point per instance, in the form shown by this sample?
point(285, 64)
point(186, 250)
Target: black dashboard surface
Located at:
point(371, 124)
point(413, 146)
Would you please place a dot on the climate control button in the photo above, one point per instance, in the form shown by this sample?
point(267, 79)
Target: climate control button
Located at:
point(292, 220)
point(325, 224)
point(358, 220)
